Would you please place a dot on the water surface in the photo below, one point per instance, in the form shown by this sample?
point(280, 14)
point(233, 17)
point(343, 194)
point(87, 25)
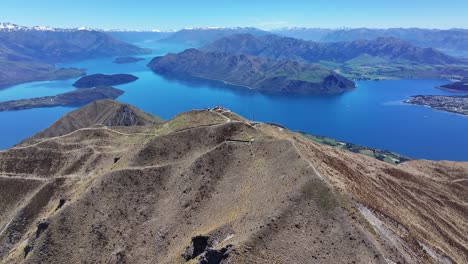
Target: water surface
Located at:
point(372, 115)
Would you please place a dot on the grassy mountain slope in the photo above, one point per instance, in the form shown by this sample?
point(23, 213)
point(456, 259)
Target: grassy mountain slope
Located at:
point(237, 191)
point(102, 112)
point(381, 57)
point(253, 72)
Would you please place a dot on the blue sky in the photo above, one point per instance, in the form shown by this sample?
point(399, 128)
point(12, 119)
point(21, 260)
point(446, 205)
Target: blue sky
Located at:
point(266, 14)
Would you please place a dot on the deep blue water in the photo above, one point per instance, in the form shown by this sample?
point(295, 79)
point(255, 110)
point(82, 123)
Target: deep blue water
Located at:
point(371, 115)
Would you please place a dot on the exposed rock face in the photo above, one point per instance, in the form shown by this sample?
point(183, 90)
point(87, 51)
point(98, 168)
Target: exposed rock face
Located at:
point(95, 80)
point(213, 256)
point(197, 247)
point(272, 194)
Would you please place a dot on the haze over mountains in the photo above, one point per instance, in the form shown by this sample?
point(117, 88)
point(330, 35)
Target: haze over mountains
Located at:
point(196, 37)
point(449, 39)
point(212, 187)
point(290, 48)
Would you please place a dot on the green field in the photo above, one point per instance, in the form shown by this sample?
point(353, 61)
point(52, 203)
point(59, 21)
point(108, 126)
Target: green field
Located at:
point(382, 155)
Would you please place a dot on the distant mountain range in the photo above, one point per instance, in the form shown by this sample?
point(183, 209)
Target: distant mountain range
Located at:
point(277, 47)
point(64, 45)
point(381, 57)
point(28, 53)
point(252, 72)
point(196, 37)
point(449, 39)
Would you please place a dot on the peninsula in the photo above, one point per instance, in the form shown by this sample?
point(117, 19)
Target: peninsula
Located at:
point(454, 104)
point(78, 97)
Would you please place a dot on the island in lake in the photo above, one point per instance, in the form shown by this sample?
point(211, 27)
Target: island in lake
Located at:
point(454, 104)
point(257, 73)
point(95, 80)
point(123, 60)
point(74, 98)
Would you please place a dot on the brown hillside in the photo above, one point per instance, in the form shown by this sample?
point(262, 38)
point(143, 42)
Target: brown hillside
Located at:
point(102, 112)
point(211, 187)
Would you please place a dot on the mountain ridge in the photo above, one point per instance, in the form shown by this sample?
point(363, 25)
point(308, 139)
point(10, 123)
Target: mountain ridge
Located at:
point(211, 183)
point(276, 47)
point(445, 39)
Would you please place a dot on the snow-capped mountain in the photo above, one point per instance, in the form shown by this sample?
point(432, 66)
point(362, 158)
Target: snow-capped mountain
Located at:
point(10, 27)
point(138, 30)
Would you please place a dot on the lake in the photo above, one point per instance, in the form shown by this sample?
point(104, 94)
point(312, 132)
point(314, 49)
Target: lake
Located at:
point(372, 115)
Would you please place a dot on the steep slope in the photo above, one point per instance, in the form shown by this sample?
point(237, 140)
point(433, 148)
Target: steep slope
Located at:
point(211, 186)
point(252, 72)
point(102, 112)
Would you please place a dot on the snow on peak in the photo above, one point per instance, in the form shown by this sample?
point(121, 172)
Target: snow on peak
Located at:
point(219, 28)
point(9, 27)
point(13, 27)
point(42, 28)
